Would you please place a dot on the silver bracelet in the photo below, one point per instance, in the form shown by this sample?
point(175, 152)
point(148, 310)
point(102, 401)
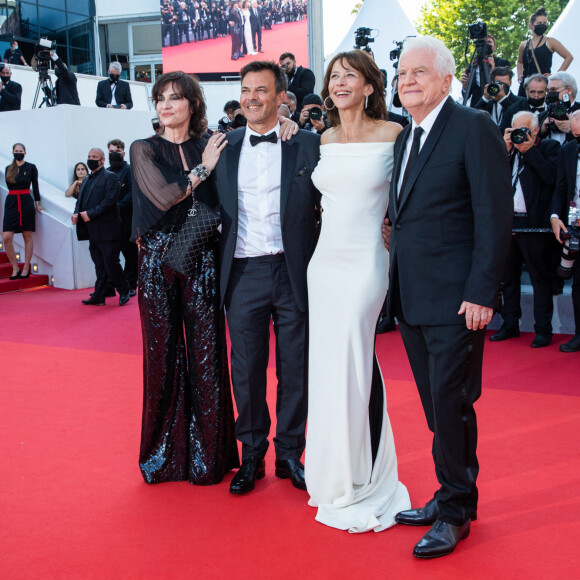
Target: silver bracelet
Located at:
point(201, 172)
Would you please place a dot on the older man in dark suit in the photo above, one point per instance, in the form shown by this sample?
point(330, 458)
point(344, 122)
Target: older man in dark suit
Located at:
point(269, 220)
point(114, 93)
point(256, 22)
point(96, 209)
point(450, 211)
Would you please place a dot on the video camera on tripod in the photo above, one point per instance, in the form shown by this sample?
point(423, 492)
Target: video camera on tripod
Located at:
point(362, 37)
point(42, 50)
point(479, 59)
point(394, 56)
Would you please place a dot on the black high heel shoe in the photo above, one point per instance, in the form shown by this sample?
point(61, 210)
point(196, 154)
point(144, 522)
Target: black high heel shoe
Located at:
point(16, 276)
point(22, 276)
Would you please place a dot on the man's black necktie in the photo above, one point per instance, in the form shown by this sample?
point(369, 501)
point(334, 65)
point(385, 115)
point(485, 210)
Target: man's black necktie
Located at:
point(269, 138)
point(412, 156)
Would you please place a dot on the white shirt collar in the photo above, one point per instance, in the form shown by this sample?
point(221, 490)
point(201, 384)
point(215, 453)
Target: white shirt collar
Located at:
point(249, 132)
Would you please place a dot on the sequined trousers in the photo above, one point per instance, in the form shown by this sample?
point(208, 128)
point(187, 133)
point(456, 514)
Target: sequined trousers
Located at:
point(188, 418)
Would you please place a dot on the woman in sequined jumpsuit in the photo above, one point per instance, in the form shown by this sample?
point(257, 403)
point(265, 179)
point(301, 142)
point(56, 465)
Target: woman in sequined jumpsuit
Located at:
point(188, 419)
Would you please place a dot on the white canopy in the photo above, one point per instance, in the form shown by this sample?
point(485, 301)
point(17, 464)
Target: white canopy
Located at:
point(566, 31)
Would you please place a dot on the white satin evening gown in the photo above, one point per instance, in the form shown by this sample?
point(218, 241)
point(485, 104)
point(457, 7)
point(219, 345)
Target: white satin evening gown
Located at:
point(347, 284)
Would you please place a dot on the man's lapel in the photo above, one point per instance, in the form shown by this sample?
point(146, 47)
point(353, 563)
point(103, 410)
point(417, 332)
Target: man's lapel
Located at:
point(233, 152)
point(398, 163)
point(289, 152)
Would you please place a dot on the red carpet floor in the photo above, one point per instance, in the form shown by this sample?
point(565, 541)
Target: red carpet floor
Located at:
point(214, 56)
point(73, 504)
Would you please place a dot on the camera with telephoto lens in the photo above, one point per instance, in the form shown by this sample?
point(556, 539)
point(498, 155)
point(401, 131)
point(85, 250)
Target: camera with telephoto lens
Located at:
point(557, 109)
point(494, 89)
point(315, 113)
point(396, 52)
point(362, 37)
point(224, 124)
point(519, 135)
point(570, 252)
point(477, 30)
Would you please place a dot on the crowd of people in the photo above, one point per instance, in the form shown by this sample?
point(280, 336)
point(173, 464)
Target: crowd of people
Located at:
point(326, 203)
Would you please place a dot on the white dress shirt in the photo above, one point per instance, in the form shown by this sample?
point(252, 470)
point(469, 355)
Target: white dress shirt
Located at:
point(259, 177)
point(519, 200)
point(113, 89)
point(426, 125)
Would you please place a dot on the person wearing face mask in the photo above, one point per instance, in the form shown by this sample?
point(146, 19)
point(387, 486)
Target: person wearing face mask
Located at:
point(114, 93)
point(122, 170)
point(66, 83)
point(19, 208)
point(10, 91)
point(97, 213)
point(13, 55)
point(535, 54)
point(536, 88)
point(562, 88)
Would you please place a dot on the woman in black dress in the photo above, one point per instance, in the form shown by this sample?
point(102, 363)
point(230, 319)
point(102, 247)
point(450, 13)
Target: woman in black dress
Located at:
point(19, 209)
point(535, 54)
point(188, 419)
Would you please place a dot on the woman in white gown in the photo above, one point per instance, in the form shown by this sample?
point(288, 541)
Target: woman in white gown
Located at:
point(247, 28)
point(351, 465)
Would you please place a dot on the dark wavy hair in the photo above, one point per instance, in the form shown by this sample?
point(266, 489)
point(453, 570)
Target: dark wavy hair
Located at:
point(364, 64)
point(188, 87)
point(280, 78)
point(75, 170)
point(12, 171)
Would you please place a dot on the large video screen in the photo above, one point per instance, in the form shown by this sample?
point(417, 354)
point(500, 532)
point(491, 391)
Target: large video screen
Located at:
point(217, 38)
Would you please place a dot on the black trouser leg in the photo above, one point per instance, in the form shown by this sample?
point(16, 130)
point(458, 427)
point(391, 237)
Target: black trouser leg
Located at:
point(511, 291)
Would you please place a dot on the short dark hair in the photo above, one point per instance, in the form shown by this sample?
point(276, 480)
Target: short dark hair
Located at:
point(364, 64)
point(260, 65)
point(536, 77)
point(285, 55)
point(231, 106)
point(501, 71)
point(116, 143)
point(188, 87)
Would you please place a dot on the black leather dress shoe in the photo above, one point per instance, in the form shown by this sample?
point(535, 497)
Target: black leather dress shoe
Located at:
point(541, 340)
point(424, 516)
point(291, 469)
point(385, 325)
point(504, 333)
point(250, 470)
point(124, 299)
point(132, 293)
point(441, 539)
point(573, 345)
point(93, 302)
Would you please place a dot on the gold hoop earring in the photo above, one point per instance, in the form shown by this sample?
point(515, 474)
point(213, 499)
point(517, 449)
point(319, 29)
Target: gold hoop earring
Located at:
point(326, 106)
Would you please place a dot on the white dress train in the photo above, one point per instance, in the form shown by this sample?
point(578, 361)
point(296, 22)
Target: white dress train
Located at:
point(347, 284)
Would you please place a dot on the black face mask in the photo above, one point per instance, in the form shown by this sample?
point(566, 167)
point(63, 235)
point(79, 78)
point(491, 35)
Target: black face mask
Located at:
point(19, 156)
point(93, 164)
point(115, 159)
point(536, 102)
point(114, 78)
point(5, 80)
point(539, 29)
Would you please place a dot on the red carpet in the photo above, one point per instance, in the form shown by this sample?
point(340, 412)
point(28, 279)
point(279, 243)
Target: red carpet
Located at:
point(215, 56)
point(73, 503)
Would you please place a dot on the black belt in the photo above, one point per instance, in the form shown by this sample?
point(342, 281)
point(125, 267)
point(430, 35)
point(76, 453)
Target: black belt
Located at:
point(280, 257)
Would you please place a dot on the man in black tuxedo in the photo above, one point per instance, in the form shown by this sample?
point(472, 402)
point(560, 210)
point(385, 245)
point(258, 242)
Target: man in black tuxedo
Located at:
point(10, 91)
point(269, 220)
point(497, 104)
point(536, 88)
point(562, 88)
point(533, 164)
point(66, 83)
point(301, 80)
point(567, 195)
point(256, 22)
point(114, 93)
point(449, 220)
point(97, 210)
point(236, 27)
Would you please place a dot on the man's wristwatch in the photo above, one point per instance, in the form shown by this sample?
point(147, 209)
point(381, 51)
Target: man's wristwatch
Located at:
point(201, 172)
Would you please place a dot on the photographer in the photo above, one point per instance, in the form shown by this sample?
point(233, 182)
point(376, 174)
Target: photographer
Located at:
point(561, 103)
point(490, 61)
point(10, 91)
point(566, 198)
point(536, 87)
point(301, 80)
point(66, 83)
point(497, 96)
point(533, 164)
point(312, 115)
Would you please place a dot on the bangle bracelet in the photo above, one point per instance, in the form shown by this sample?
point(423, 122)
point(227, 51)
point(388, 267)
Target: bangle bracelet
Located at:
point(201, 172)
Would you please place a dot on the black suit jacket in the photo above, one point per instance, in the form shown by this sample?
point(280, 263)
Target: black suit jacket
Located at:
point(66, 86)
point(298, 206)
point(122, 94)
point(301, 84)
point(565, 180)
point(537, 180)
point(99, 200)
point(10, 96)
point(451, 224)
point(256, 19)
point(508, 102)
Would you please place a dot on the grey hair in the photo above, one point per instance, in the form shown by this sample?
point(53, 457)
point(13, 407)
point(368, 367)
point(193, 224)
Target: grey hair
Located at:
point(291, 96)
point(575, 115)
point(116, 65)
point(567, 79)
point(99, 150)
point(536, 77)
point(444, 61)
point(528, 116)
point(7, 67)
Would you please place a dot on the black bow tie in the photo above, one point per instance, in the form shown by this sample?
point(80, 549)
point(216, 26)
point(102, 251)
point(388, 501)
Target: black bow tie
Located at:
point(537, 109)
point(269, 138)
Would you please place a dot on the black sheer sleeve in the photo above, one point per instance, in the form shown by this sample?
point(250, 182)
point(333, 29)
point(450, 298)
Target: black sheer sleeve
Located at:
point(34, 182)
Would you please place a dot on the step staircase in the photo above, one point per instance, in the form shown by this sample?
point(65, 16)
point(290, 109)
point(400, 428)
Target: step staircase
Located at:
point(7, 285)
